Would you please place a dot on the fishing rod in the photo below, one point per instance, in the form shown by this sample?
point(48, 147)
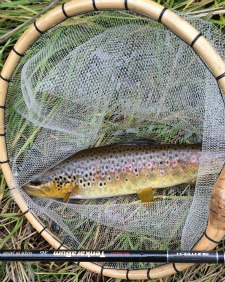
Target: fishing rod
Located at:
point(113, 256)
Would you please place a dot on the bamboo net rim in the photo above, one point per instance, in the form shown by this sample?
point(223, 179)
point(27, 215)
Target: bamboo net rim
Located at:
point(182, 29)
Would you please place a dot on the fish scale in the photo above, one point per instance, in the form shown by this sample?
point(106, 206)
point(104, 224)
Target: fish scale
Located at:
point(119, 170)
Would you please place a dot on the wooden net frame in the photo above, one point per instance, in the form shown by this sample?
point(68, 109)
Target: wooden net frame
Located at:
point(215, 230)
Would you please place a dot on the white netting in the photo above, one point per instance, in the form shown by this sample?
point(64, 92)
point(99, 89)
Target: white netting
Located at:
point(109, 77)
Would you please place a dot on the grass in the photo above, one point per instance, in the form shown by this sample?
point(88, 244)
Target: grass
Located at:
point(15, 231)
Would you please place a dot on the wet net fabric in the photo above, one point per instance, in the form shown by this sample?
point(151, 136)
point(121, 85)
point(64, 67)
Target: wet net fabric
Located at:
point(105, 78)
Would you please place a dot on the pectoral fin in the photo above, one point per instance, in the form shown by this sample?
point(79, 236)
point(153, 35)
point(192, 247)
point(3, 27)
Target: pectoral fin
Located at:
point(145, 195)
point(73, 189)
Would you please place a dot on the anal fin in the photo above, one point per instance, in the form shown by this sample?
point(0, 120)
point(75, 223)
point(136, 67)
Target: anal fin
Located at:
point(145, 195)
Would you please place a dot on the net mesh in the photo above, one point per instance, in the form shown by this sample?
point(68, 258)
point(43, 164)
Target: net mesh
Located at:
point(101, 79)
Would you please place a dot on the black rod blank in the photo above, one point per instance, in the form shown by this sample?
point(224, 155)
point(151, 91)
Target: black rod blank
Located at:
point(113, 256)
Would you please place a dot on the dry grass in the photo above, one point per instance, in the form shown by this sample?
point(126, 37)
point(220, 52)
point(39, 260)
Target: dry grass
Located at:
point(15, 231)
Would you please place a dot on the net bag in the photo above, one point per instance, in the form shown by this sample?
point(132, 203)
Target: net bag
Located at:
point(93, 73)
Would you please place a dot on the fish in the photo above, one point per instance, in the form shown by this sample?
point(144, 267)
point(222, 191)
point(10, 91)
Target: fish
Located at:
point(118, 170)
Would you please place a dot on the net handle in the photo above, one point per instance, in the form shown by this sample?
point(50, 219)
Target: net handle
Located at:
point(215, 231)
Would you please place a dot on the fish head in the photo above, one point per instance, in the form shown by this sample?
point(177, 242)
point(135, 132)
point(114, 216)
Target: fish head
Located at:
point(51, 189)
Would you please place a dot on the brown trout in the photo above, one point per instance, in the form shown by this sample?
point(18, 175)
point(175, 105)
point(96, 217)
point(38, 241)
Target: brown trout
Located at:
point(117, 170)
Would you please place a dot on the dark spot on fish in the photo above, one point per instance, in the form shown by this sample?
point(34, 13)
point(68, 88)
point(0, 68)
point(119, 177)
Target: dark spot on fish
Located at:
point(136, 170)
point(81, 180)
point(104, 183)
point(60, 177)
point(126, 179)
point(100, 184)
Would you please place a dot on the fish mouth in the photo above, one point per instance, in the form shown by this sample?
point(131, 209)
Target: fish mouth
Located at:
point(34, 188)
point(35, 183)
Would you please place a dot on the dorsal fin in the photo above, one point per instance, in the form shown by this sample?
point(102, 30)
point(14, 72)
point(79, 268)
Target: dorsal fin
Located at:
point(139, 142)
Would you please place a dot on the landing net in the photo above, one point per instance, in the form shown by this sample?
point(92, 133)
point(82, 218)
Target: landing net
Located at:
point(109, 77)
